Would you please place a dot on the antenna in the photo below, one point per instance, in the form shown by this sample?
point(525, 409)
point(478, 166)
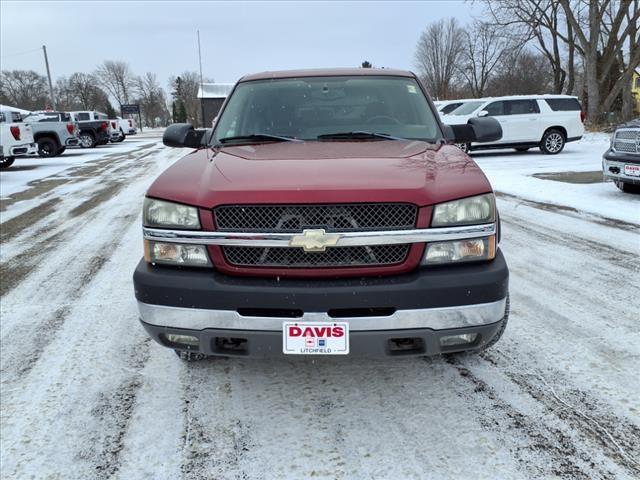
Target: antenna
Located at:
point(201, 81)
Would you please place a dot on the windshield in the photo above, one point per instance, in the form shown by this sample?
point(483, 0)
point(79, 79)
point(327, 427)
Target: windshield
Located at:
point(466, 108)
point(306, 108)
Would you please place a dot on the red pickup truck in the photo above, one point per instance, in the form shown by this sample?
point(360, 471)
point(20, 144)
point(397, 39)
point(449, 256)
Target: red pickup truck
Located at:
point(327, 212)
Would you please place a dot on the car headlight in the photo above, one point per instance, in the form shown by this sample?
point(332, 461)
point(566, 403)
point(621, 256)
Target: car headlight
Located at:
point(159, 213)
point(176, 254)
point(471, 250)
point(467, 211)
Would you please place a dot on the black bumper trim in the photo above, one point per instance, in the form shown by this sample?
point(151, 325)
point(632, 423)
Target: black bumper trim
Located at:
point(423, 288)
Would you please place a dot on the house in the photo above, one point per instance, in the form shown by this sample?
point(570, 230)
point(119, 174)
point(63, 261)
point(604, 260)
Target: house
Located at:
point(635, 88)
point(212, 96)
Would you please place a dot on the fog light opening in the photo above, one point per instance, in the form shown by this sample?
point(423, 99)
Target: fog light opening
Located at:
point(400, 346)
point(188, 342)
point(455, 340)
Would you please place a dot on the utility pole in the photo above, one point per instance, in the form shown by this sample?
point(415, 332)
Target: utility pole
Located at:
point(201, 81)
point(46, 62)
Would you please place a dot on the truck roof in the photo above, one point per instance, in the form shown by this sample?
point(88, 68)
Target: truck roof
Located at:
point(327, 72)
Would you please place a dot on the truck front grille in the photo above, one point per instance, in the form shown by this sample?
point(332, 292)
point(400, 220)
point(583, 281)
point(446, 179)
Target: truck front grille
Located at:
point(627, 141)
point(332, 257)
point(332, 218)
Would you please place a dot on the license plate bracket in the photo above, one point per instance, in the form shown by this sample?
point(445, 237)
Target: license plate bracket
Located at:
point(315, 338)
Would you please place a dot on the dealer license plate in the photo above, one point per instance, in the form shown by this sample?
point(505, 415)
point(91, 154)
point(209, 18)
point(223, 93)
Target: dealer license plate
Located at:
point(632, 170)
point(315, 338)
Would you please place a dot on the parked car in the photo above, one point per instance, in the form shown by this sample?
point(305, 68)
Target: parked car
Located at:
point(445, 107)
point(16, 138)
point(53, 132)
point(128, 126)
point(527, 121)
point(115, 134)
point(94, 128)
point(621, 163)
point(328, 213)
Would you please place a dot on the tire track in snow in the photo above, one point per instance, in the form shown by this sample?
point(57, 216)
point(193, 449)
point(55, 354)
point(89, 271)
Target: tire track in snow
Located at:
point(212, 451)
point(112, 412)
point(562, 457)
point(617, 438)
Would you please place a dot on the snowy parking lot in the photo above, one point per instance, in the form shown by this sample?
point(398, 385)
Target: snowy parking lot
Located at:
point(86, 394)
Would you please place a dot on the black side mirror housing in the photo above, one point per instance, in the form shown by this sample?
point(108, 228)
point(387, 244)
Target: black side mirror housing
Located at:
point(479, 129)
point(183, 135)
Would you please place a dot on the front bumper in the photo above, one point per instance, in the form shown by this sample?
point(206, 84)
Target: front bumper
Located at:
point(613, 166)
point(425, 304)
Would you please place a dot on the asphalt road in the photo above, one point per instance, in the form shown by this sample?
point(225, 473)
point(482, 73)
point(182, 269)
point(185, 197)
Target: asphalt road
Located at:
point(85, 394)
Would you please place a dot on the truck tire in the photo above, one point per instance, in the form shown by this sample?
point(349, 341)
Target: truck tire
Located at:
point(47, 147)
point(627, 187)
point(87, 140)
point(61, 151)
point(122, 137)
point(190, 356)
point(6, 162)
point(503, 327)
point(465, 147)
point(552, 142)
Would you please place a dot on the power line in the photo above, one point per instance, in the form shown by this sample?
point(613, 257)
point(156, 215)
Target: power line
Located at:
point(20, 53)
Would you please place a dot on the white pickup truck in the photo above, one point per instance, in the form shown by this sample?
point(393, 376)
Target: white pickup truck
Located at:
point(16, 138)
point(127, 126)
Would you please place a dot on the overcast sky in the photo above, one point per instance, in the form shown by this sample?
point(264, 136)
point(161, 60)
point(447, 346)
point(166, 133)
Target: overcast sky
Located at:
point(237, 38)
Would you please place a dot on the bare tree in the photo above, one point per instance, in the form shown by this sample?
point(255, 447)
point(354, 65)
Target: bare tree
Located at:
point(117, 79)
point(604, 33)
point(521, 72)
point(184, 89)
point(24, 89)
point(152, 99)
point(484, 49)
point(437, 56)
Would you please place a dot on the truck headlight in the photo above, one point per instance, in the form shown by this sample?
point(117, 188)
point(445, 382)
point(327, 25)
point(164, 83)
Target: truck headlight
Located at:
point(457, 251)
point(467, 211)
point(159, 213)
point(176, 254)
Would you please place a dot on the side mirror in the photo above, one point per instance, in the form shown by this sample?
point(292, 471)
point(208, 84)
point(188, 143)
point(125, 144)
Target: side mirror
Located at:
point(475, 130)
point(183, 135)
point(483, 113)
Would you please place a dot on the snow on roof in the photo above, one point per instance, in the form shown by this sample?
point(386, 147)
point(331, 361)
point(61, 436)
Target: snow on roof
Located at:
point(7, 108)
point(215, 90)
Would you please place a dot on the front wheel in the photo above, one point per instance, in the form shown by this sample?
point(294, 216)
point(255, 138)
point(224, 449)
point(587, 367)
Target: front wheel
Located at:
point(6, 162)
point(122, 137)
point(61, 150)
point(627, 187)
point(87, 140)
point(552, 142)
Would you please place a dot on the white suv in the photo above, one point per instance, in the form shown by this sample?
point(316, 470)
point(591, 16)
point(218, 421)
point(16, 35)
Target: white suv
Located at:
point(527, 121)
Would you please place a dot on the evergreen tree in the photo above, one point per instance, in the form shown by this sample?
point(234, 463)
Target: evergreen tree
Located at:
point(366, 64)
point(182, 113)
point(174, 113)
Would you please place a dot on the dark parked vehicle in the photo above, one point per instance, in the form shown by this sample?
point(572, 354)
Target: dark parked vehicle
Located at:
point(94, 128)
point(621, 163)
point(326, 213)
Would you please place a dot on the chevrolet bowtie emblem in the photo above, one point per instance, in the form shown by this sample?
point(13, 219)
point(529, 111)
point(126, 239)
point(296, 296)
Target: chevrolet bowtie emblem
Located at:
point(314, 240)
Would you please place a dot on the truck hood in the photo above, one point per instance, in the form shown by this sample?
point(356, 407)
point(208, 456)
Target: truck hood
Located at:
point(322, 172)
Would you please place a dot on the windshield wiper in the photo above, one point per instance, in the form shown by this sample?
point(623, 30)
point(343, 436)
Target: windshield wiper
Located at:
point(359, 135)
point(258, 137)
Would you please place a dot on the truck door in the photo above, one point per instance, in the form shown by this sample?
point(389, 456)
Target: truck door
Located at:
point(523, 117)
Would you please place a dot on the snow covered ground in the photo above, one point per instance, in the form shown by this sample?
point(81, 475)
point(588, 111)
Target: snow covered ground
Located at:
point(85, 394)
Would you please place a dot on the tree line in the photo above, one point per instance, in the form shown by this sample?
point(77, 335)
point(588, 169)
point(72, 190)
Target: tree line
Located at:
point(112, 81)
point(587, 48)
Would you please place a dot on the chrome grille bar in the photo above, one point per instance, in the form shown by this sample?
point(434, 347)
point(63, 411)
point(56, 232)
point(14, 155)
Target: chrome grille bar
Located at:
point(344, 239)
